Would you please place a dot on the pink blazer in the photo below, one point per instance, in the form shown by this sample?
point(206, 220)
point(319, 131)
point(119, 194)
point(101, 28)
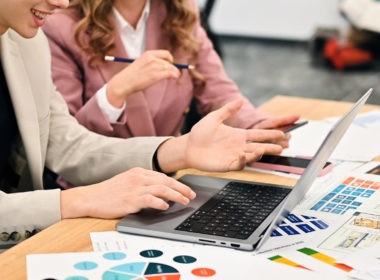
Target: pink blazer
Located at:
point(158, 110)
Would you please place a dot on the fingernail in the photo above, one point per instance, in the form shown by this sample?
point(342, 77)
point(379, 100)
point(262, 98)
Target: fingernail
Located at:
point(192, 194)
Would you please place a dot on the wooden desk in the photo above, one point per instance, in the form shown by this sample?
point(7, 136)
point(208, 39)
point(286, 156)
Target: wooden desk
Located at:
point(73, 235)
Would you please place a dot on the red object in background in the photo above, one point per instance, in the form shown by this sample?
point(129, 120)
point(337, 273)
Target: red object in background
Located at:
point(346, 55)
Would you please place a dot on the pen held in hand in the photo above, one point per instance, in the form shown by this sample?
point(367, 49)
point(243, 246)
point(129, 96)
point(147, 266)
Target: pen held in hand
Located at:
point(130, 60)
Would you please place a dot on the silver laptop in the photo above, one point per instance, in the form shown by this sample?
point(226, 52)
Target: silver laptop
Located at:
point(232, 213)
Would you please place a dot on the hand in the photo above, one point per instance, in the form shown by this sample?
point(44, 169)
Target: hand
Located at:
point(276, 122)
point(213, 146)
point(152, 67)
point(123, 194)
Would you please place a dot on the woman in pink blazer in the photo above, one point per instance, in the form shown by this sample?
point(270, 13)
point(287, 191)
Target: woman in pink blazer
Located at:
point(149, 97)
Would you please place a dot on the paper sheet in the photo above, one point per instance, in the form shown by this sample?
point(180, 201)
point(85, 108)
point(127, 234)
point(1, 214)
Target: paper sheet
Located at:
point(367, 262)
point(361, 231)
point(150, 258)
point(360, 142)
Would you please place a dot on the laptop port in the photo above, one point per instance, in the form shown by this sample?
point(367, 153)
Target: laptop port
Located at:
point(205, 240)
point(235, 245)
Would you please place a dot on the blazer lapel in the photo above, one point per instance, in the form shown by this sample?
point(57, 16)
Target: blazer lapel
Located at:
point(23, 102)
point(155, 40)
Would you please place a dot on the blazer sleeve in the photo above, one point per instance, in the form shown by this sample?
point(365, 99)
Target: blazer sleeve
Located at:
point(33, 210)
point(84, 157)
point(70, 66)
point(218, 88)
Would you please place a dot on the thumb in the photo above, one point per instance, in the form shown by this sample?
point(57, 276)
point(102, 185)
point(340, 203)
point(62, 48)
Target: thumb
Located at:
point(228, 110)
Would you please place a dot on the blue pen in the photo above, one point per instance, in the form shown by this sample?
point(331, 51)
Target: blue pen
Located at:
point(130, 60)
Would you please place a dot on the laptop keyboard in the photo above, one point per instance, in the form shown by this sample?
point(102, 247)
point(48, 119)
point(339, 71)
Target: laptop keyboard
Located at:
point(235, 211)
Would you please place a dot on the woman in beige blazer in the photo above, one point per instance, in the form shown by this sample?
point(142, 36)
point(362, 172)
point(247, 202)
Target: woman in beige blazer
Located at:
point(50, 136)
point(149, 97)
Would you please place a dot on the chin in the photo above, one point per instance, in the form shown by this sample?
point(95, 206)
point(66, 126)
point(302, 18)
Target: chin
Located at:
point(28, 33)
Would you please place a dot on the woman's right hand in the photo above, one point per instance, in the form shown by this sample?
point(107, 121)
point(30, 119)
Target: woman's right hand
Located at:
point(151, 67)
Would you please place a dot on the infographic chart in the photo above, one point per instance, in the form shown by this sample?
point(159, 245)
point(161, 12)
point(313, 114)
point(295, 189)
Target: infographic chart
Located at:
point(295, 224)
point(347, 196)
point(117, 265)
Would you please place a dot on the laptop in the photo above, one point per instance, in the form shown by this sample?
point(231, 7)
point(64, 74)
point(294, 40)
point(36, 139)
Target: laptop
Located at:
point(233, 213)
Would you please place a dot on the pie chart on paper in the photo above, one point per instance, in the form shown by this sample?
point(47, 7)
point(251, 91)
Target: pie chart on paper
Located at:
point(142, 271)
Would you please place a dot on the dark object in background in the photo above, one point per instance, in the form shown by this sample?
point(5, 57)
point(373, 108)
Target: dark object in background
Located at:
point(318, 42)
point(366, 40)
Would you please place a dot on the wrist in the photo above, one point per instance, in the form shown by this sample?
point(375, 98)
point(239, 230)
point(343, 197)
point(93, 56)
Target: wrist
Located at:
point(73, 203)
point(171, 155)
point(113, 97)
point(118, 91)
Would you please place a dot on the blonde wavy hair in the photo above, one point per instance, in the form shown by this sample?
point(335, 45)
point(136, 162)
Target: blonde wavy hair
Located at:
point(95, 34)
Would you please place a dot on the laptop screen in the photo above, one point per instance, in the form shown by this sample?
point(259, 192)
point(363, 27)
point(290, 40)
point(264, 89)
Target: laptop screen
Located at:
point(315, 166)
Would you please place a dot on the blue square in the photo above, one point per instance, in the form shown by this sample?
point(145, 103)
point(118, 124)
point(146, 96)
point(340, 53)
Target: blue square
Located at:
point(275, 233)
point(289, 230)
point(329, 196)
point(305, 228)
point(320, 224)
point(318, 205)
point(339, 188)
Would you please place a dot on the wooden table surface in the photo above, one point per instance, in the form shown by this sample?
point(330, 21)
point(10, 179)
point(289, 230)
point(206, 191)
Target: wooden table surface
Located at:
point(72, 235)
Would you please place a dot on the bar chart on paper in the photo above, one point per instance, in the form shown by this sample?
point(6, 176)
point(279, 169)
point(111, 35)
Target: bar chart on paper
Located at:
point(325, 258)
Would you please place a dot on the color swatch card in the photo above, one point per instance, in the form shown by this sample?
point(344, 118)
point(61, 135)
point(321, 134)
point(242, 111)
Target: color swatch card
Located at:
point(298, 224)
point(361, 231)
point(350, 194)
point(156, 259)
point(301, 229)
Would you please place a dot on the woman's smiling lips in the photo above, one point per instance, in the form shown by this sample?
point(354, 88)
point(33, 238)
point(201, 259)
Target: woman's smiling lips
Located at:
point(39, 16)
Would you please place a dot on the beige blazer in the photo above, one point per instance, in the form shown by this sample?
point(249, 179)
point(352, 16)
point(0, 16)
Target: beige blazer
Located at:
point(52, 137)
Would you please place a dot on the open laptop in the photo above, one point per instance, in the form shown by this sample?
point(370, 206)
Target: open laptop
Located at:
point(232, 213)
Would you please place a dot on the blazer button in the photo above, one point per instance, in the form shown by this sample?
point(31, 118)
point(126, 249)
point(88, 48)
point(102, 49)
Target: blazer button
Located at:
point(27, 234)
point(4, 236)
point(36, 230)
point(15, 236)
point(187, 110)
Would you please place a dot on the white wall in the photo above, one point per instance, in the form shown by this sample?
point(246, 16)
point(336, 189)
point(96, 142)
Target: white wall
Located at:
point(283, 19)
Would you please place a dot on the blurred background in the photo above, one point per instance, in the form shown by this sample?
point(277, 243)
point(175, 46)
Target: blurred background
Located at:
point(312, 48)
